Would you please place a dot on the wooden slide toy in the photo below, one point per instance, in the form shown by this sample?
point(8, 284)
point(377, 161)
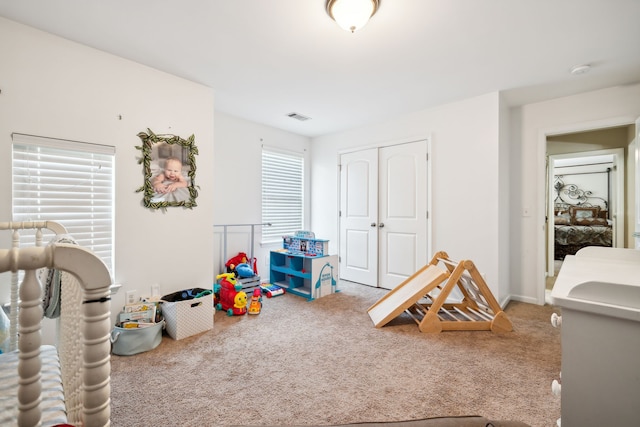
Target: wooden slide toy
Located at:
point(423, 296)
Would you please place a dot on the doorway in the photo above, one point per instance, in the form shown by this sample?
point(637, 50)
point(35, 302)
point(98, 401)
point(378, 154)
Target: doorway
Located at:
point(383, 213)
point(592, 181)
point(596, 160)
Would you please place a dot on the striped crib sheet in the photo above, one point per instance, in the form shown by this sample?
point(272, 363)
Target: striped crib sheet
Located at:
point(52, 405)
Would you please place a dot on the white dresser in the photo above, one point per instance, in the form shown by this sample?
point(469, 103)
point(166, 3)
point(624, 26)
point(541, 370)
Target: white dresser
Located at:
point(598, 291)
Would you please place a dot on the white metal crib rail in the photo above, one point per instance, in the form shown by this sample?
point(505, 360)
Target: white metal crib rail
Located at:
point(94, 279)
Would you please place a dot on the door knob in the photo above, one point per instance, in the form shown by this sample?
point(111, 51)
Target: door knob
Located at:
point(381, 225)
point(373, 224)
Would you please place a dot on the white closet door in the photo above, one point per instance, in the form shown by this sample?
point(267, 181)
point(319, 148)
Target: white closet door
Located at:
point(359, 217)
point(402, 212)
point(383, 223)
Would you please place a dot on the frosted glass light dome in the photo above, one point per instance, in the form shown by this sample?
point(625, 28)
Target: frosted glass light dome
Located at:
point(352, 15)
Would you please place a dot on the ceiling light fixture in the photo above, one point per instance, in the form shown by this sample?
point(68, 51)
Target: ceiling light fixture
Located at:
point(352, 14)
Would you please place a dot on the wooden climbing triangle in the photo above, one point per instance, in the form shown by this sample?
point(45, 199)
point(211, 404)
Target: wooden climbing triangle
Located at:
point(424, 297)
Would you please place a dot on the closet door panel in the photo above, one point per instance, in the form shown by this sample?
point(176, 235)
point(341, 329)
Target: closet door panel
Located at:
point(402, 212)
point(358, 211)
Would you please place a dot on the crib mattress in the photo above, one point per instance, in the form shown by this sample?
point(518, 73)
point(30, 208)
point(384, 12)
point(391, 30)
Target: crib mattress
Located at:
point(52, 406)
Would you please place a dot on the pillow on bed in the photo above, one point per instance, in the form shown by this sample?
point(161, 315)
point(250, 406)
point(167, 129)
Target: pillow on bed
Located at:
point(579, 212)
point(591, 221)
point(564, 219)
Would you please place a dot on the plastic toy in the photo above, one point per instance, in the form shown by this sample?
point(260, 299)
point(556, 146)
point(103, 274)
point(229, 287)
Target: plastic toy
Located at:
point(233, 263)
point(255, 305)
point(229, 277)
point(244, 270)
point(231, 298)
point(194, 293)
point(271, 290)
point(240, 303)
point(238, 259)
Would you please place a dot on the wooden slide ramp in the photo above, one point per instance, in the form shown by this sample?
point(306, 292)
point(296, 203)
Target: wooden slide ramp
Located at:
point(423, 296)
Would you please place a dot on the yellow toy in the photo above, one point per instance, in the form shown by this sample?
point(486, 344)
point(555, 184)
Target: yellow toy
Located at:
point(228, 276)
point(240, 301)
point(256, 302)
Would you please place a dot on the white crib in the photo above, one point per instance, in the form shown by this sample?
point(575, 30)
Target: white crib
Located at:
point(80, 364)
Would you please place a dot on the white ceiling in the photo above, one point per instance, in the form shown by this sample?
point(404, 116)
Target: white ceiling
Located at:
point(267, 58)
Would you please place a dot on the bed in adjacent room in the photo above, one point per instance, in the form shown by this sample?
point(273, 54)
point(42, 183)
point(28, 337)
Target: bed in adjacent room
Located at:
point(580, 220)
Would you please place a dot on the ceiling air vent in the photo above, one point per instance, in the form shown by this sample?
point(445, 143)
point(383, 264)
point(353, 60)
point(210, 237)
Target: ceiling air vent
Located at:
point(298, 117)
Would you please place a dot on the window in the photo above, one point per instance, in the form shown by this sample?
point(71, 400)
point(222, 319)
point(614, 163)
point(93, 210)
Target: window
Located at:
point(282, 193)
point(68, 182)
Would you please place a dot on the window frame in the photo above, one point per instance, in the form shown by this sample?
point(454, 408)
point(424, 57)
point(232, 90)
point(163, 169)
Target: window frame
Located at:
point(91, 222)
point(273, 233)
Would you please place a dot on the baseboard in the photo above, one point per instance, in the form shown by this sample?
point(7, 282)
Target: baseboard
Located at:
point(521, 298)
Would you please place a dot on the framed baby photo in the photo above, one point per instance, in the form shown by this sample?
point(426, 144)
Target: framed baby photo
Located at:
point(169, 168)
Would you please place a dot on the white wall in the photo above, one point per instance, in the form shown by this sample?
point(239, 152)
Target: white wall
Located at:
point(465, 163)
point(57, 88)
point(530, 125)
point(238, 169)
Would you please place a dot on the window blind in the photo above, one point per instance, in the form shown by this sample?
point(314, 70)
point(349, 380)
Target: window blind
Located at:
point(282, 193)
point(68, 182)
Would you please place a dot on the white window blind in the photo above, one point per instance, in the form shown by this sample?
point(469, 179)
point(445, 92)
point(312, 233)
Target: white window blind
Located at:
point(282, 193)
point(68, 182)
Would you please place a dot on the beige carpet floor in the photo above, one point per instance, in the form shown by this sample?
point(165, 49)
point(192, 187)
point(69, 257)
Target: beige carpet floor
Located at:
point(323, 362)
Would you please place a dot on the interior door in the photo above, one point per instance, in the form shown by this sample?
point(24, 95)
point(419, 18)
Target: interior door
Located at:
point(359, 217)
point(402, 213)
point(383, 208)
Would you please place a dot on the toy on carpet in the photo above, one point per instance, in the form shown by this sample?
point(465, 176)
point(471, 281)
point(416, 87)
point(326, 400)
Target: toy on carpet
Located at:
point(271, 290)
point(231, 297)
point(244, 270)
point(255, 305)
point(247, 266)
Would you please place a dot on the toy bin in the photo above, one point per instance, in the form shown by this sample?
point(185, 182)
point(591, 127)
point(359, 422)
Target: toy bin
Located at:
point(127, 342)
point(185, 315)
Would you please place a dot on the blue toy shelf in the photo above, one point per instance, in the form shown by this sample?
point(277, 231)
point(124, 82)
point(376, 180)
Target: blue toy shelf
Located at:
point(310, 277)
